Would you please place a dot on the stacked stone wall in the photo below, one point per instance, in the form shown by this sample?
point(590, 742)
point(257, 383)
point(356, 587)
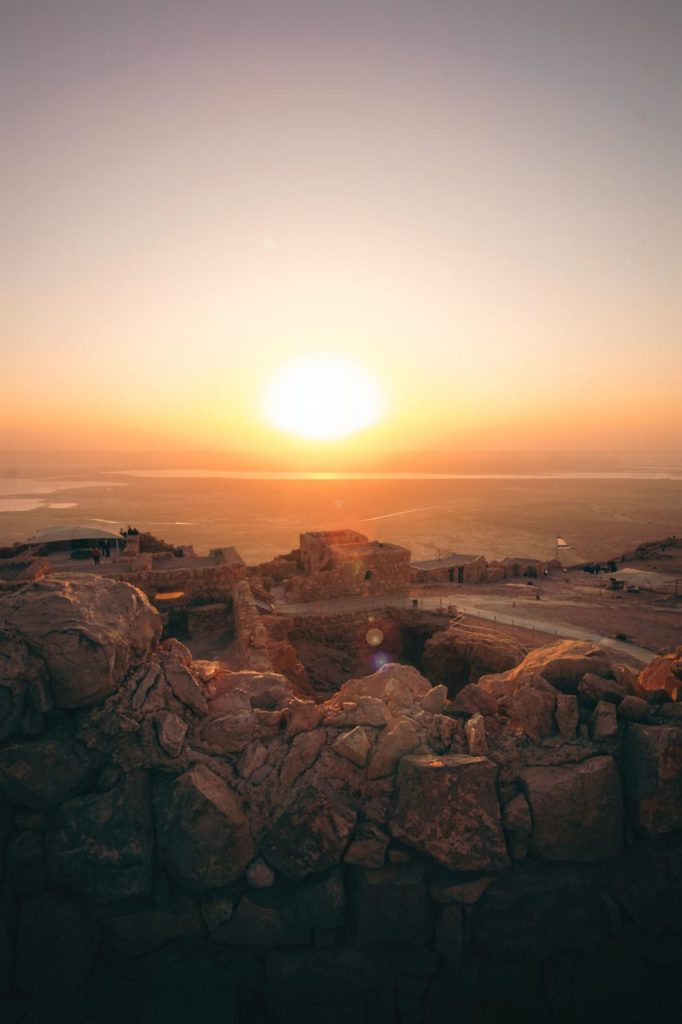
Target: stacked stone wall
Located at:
point(206, 584)
point(177, 842)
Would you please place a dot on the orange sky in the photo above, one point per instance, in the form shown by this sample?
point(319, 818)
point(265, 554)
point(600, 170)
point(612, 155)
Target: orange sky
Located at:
point(478, 203)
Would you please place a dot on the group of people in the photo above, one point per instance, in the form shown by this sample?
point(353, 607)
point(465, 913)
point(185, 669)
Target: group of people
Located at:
point(103, 548)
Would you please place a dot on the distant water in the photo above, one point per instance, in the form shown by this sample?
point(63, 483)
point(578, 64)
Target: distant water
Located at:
point(600, 505)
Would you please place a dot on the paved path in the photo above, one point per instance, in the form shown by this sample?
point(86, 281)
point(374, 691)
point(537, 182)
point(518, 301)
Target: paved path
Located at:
point(450, 605)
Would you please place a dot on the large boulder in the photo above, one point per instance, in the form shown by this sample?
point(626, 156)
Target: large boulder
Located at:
point(447, 807)
point(462, 654)
point(664, 673)
point(653, 777)
point(577, 810)
point(202, 829)
point(311, 834)
point(101, 845)
point(563, 664)
point(88, 630)
point(397, 685)
point(44, 772)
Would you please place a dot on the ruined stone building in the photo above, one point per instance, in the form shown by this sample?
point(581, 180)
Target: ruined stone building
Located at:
point(344, 563)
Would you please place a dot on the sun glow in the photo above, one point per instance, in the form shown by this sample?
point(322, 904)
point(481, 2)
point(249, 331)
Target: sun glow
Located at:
point(323, 398)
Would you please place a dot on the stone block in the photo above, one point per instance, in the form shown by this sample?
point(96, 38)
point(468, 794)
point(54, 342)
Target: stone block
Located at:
point(311, 834)
point(577, 810)
point(653, 777)
point(447, 807)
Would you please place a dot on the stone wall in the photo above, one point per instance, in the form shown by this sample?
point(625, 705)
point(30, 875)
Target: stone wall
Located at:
point(183, 845)
point(211, 584)
point(373, 571)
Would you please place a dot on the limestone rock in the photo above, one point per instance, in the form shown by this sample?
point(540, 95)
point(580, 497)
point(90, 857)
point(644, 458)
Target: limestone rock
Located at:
point(566, 714)
point(633, 708)
point(518, 824)
point(88, 630)
point(101, 845)
point(171, 731)
point(563, 664)
point(434, 700)
point(472, 699)
point(354, 746)
point(184, 687)
point(311, 834)
point(447, 807)
point(302, 716)
point(664, 673)
point(44, 772)
point(368, 849)
point(462, 654)
point(302, 755)
point(202, 828)
point(56, 945)
point(260, 875)
point(361, 711)
point(393, 745)
point(603, 723)
point(653, 777)
point(395, 684)
point(474, 731)
point(177, 651)
point(594, 689)
point(253, 758)
point(532, 708)
point(577, 810)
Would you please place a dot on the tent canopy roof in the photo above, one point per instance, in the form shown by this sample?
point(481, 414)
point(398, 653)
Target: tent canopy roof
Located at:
point(75, 532)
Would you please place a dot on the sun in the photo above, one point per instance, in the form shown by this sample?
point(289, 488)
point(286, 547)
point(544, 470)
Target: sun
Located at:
point(322, 398)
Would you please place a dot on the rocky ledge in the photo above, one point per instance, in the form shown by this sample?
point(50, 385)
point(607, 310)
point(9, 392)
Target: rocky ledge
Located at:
point(181, 843)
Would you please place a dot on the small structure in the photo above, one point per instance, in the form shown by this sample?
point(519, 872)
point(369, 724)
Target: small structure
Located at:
point(344, 563)
point(451, 568)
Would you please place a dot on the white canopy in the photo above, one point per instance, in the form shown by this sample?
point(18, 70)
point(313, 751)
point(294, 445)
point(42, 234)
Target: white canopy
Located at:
point(72, 533)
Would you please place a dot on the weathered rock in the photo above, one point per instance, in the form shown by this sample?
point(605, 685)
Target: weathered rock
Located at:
point(566, 714)
point(577, 810)
point(144, 687)
point(202, 829)
point(361, 711)
point(434, 700)
point(518, 824)
point(393, 745)
point(445, 889)
point(302, 716)
point(368, 849)
point(101, 845)
point(653, 777)
point(533, 912)
point(26, 863)
point(603, 723)
point(88, 630)
point(447, 807)
point(563, 664)
point(184, 687)
point(472, 699)
point(664, 673)
point(253, 758)
point(319, 901)
point(23, 683)
point(177, 651)
point(44, 772)
point(354, 746)
point(171, 731)
point(593, 689)
point(474, 731)
point(260, 924)
point(260, 875)
point(532, 708)
point(312, 834)
point(462, 654)
point(304, 752)
point(389, 904)
point(397, 685)
point(56, 945)
point(633, 708)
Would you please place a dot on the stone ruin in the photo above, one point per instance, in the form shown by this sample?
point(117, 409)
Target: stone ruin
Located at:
point(183, 843)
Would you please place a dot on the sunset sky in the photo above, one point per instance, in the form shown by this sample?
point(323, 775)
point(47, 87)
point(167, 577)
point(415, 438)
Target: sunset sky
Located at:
point(476, 203)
